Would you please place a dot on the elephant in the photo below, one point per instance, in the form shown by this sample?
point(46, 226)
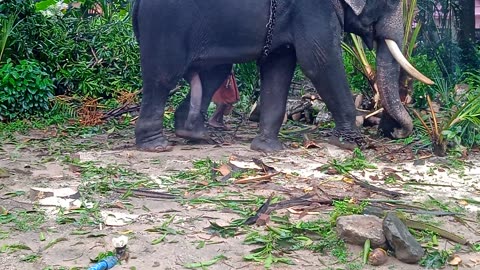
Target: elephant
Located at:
point(199, 40)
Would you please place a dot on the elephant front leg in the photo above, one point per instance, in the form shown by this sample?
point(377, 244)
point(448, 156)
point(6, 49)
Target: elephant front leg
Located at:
point(324, 67)
point(276, 75)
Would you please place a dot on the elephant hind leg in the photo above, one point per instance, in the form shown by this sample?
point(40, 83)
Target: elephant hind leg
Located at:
point(195, 100)
point(149, 126)
point(211, 80)
point(276, 74)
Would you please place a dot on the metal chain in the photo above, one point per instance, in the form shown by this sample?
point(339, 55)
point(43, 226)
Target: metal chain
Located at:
point(270, 26)
point(349, 135)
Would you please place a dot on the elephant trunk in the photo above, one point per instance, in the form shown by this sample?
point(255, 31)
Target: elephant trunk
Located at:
point(396, 122)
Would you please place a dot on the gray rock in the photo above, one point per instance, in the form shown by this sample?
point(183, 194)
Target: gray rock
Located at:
point(355, 229)
point(406, 248)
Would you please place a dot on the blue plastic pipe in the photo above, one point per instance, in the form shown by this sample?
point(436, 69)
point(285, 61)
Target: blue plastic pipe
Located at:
point(106, 263)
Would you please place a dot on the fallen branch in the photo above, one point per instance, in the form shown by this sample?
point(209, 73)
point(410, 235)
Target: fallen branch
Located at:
point(380, 211)
point(255, 179)
point(262, 210)
point(305, 200)
point(374, 188)
point(126, 108)
point(418, 225)
point(146, 193)
point(443, 233)
point(374, 113)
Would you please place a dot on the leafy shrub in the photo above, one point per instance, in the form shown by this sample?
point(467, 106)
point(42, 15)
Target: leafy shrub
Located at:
point(25, 88)
point(430, 69)
point(357, 81)
point(248, 79)
point(90, 57)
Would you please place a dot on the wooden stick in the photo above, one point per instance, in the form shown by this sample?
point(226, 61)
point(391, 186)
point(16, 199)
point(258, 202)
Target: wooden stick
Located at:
point(255, 179)
point(374, 113)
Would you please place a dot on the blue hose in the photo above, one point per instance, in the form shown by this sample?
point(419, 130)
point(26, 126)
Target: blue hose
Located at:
point(107, 263)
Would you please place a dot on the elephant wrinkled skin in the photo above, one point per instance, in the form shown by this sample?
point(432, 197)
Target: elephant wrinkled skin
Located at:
point(199, 40)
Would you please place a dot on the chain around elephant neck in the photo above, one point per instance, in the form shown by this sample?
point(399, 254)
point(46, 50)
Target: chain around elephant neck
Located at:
point(270, 26)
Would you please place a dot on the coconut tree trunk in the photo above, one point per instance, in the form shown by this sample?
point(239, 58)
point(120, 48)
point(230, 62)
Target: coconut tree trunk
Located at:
point(466, 34)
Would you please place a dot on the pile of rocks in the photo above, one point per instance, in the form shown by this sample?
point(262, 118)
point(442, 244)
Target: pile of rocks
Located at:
point(387, 234)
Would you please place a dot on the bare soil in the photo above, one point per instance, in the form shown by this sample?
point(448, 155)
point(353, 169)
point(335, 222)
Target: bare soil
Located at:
point(37, 160)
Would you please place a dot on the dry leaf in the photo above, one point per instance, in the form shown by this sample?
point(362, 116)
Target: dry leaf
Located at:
point(75, 168)
point(265, 167)
point(310, 144)
point(331, 171)
point(262, 220)
point(456, 260)
point(463, 202)
point(224, 169)
point(120, 205)
point(348, 180)
point(294, 145)
point(307, 189)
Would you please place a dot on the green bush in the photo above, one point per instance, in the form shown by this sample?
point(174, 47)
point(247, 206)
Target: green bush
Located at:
point(357, 81)
point(25, 88)
point(430, 69)
point(90, 57)
point(248, 79)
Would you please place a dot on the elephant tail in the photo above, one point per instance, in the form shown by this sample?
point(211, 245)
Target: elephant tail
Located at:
point(136, 4)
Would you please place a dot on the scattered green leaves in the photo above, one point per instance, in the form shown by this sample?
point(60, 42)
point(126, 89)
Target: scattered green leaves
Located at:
point(23, 220)
point(356, 162)
point(10, 248)
point(204, 265)
point(164, 229)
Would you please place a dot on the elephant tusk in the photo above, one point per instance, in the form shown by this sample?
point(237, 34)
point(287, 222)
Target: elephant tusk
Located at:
point(398, 55)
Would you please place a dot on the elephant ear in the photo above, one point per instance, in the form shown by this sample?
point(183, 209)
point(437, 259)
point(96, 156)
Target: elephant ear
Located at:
point(356, 5)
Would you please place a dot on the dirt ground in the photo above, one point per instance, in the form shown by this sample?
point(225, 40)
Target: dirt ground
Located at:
point(37, 160)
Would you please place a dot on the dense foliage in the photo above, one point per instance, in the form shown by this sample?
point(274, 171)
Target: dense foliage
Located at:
point(26, 89)
point(86, 55)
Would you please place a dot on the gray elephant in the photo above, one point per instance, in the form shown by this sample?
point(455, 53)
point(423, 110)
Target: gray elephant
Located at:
point(199, 40)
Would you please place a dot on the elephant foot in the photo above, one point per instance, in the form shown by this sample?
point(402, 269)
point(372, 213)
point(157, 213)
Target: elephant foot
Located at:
point(347, 139)
point(390, 128)
point(342, 144)
point(194, 135)
point(266, 145)
point(159, 144)
point(218, 125)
